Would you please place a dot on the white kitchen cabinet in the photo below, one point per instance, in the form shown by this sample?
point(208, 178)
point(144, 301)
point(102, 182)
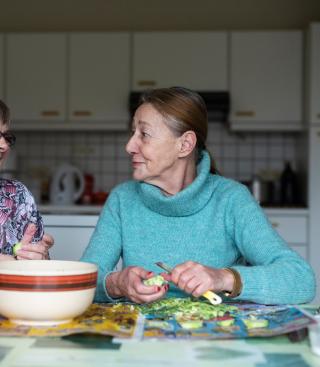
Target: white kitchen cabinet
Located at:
point(99, 80)
point(313, 119)
point(197, 60)
point(36, 76)
point(314, 74)
point(266, 80)
point(314, 201)
point(2, 66)
point(71, 234)
point(292, 226)
point(70, 242)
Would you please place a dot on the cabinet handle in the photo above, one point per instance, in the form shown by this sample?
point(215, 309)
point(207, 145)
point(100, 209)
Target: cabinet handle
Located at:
point(318, 115)
point(82, 113)
point(245, 113)
point(50, 113)
point(275, 224)
point(147, 83)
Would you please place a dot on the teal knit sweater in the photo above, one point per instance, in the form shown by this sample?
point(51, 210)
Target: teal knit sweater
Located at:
point(214, 221)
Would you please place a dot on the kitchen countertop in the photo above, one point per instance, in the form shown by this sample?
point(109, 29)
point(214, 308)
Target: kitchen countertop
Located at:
point(286, 211)
point(70, 209)
point(96, 209)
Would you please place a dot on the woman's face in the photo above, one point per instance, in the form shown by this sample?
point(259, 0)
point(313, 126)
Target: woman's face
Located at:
point(153, 147)
point(4, 146)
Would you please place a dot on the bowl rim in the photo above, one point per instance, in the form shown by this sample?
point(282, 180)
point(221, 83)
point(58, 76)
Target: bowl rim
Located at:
point(86, 268)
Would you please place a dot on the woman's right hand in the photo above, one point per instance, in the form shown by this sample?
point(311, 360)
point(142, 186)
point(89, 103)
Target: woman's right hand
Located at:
point(128, 283)
point(34, 251)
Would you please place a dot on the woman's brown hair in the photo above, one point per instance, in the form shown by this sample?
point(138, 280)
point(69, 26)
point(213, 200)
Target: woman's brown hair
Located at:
point(183, 110)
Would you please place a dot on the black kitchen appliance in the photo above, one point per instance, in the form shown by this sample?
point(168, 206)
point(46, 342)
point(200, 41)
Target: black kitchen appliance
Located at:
point(218, 104)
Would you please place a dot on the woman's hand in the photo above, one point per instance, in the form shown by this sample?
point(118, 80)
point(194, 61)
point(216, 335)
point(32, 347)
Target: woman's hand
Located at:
point(34, 251)
point(129, 283)
point(196, 279)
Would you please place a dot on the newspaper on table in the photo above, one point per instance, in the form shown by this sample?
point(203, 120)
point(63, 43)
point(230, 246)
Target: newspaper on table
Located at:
point(118, 320)
point(174, 318)
point(194, 319)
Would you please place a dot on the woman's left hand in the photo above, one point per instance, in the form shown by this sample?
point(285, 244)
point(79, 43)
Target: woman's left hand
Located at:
point(34, 251)
point(196, 279)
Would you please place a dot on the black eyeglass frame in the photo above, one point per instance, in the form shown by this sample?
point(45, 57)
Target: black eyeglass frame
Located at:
point(9, 137)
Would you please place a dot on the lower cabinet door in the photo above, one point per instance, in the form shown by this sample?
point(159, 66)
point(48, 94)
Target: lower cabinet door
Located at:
point(300, 249)
point(291, 228)
point(69, 242)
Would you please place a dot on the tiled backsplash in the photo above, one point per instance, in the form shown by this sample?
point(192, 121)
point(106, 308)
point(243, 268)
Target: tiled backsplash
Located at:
point(103, 154)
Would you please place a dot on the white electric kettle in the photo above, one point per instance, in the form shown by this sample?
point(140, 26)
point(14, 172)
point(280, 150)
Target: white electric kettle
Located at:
point(67, 185)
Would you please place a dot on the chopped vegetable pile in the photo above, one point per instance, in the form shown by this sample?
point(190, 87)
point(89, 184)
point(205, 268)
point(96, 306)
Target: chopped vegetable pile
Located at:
point(186, 309)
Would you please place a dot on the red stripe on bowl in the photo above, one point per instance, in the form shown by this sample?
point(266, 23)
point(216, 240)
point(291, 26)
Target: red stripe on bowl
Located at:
point(46, 287)
point(39, 279)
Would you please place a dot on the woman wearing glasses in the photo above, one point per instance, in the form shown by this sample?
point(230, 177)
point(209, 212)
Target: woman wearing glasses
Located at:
point(20, 221)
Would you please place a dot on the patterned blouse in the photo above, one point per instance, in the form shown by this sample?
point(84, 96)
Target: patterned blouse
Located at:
point(17, 210)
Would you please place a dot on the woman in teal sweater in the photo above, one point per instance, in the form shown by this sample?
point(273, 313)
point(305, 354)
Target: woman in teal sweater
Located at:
point(178, 210)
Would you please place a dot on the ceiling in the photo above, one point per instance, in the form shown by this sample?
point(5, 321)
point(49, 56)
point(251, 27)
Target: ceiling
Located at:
point(95, 15)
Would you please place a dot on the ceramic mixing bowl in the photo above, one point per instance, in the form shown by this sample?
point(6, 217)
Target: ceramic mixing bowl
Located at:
point(45, 292)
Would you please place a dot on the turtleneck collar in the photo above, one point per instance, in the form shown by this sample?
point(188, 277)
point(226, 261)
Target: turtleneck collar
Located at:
point(186, 202)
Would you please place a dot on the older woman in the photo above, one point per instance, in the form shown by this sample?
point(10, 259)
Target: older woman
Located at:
point(180, 211)
point(19, 219)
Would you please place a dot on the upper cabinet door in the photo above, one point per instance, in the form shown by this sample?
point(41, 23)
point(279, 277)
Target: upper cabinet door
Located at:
point(197, 60)
point(36, 76)
point(314, 73)
point(266, 80)
point(1, 66)
point(99, 81)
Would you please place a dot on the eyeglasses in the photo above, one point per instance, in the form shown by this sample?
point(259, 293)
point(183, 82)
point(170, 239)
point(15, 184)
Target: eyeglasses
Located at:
point(9, 137)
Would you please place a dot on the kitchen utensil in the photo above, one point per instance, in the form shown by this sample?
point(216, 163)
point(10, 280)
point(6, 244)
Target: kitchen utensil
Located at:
point(42, 292)
point(67, 185)
point(209, 295)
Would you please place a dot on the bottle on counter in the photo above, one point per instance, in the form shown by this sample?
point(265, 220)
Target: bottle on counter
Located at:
point(256, 188)
point(288, 186)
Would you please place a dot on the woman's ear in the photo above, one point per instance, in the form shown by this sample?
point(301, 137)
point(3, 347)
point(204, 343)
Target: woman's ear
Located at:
point(188, 141)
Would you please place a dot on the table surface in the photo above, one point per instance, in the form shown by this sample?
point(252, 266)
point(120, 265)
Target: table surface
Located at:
point(97, 350)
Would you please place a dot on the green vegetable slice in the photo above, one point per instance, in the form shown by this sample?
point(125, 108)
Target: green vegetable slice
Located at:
point(159, 325)
point(16, 248)
point(191, 324)
point(156, 280)
point(253, 323)
point(226, 323)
